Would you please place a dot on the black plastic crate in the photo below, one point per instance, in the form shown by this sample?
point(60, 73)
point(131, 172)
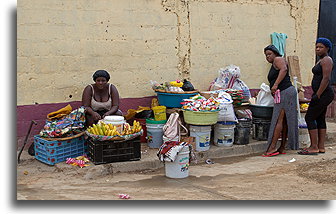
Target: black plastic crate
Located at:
point(101, 152)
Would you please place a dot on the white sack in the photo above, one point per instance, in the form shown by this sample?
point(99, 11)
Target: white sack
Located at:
point(264, 97)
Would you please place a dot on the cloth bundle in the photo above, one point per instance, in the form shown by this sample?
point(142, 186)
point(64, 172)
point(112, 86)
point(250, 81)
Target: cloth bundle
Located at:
point(60, 113)
point(60, 127)
point(170, 149)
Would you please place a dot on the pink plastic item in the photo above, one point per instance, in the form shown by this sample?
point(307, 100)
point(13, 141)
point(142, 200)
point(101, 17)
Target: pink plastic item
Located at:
point(124, 196)
point(277, 96)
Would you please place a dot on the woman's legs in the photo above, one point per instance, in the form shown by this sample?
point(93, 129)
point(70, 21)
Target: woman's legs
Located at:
point(313, 135)
point(315, 119)
point(321, 139)
point(277, 130)
point(284, 135)
point(321, 131)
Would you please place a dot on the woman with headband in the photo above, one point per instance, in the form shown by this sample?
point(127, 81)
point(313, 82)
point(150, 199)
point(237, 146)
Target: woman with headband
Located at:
point(323, 95)
point(100, 99)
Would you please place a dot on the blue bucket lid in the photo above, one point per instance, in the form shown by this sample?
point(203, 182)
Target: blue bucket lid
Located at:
point(226, 122)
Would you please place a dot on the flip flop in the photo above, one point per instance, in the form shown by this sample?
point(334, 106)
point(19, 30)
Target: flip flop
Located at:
point(270, 154)
point(306, 152)
point(282, 153)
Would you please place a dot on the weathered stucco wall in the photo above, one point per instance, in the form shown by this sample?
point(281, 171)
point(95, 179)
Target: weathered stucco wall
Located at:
point(60, 43)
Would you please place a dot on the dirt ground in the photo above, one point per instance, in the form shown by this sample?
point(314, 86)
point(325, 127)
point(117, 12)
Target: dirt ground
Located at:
point(238, 178)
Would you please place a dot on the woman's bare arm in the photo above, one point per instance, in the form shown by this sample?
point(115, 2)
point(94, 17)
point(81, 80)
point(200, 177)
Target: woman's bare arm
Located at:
point(327, 65)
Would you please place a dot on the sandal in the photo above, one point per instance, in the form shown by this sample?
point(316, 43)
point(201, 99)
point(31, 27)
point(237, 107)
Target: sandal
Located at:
point(281, 153)
point(270, 154)
point(306, 152)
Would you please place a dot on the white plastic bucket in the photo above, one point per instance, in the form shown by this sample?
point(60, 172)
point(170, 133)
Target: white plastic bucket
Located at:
point(117, 121)
point(202, 136)
point(180, 167)
point(154, 135)
point(224, 135)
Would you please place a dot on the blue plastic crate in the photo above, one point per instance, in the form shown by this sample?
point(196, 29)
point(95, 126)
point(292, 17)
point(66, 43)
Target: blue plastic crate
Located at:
point(52, 152)
point(172, 100)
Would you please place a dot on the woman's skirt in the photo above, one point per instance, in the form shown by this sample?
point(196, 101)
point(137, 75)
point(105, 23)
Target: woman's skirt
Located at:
point(288, 102)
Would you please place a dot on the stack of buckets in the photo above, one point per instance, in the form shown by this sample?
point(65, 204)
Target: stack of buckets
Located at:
point(202, 134)
point(224, 133)
point(242, 131)
point(154, 127)
point(260, 128)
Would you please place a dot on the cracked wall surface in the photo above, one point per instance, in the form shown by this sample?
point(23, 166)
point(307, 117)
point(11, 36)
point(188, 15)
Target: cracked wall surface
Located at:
point(61, 43)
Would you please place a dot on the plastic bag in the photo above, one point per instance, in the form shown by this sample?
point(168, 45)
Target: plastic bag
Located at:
point(226, 112)
point(132, 112)
point(240, 85)
point(264, 97)
point(156, 85)
point(187, 86)
point(154, 103)
point(244, 113)
point(226, 78)
point(145, 114)
point(224, 96)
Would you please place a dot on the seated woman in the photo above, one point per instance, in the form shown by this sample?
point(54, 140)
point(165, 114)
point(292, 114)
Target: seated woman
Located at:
point(100, 99)
point(284, 119)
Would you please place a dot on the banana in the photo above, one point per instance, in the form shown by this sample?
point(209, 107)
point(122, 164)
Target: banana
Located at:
point(100, 130)
point(95, 128)
point(91, 130)
point(103, 129)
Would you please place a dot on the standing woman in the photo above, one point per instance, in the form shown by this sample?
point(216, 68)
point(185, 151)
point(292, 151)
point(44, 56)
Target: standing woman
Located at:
point(284, 119)
point(323, 95)
point(100, 99)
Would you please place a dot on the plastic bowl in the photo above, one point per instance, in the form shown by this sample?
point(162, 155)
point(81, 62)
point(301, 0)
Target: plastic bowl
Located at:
point(261, 111)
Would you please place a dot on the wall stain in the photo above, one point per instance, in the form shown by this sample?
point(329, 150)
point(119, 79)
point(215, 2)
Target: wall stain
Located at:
point(181, 9)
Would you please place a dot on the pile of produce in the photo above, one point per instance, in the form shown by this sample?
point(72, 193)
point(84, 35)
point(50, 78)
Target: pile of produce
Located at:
point(200, 103)
point(111, 130)
point(304, 106)
point(174, 86)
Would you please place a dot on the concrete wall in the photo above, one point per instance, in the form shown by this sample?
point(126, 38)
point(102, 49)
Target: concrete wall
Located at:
point(60, 43)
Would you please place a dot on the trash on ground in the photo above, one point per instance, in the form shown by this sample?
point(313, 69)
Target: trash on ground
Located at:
point(124, 196)
point(78, 161)
point(292, 160)
point(209, 161)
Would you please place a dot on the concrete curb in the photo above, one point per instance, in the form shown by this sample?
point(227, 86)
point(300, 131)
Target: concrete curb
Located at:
point(150, 161)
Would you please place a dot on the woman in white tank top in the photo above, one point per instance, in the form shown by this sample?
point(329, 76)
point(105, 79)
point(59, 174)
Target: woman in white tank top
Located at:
point(100, 99)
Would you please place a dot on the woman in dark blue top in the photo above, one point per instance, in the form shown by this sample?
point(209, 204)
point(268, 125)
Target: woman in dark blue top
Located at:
point(284, 119)
point(323, 95)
